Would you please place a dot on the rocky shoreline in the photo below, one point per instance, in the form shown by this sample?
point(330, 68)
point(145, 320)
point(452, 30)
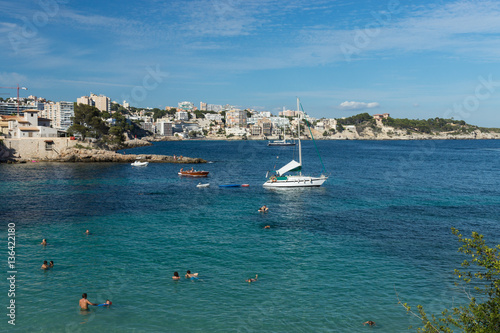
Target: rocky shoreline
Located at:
point(94, 155)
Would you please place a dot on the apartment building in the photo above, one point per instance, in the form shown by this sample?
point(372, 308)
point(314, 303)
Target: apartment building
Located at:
point(60, 114)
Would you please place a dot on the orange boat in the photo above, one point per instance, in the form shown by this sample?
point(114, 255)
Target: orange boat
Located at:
point(193, 173)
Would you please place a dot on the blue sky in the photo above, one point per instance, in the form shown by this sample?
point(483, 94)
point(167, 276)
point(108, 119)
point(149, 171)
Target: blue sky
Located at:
point(412, 59)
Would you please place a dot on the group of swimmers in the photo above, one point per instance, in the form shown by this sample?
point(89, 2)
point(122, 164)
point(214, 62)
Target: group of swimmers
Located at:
point(188, 275)
point(47, 266)
point(263, 209)
point(194, 276)
point(84, 303)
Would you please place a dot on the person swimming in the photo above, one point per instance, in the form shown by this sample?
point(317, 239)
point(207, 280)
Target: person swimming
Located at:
point(253, 280)
point(191, 275)
point(369, 322)
point(44, 242)
point(107, 303)
point(45, 265)
point(51, 264)
point(84, 302)
point(263, 209)
point(176, 276)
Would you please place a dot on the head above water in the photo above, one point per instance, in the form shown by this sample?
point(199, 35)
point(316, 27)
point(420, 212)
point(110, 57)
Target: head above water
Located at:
point(84, 295)
point(177, 273)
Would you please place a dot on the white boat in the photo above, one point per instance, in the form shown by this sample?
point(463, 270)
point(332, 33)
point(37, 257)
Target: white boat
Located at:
point(139, 163)
point(280, 142)
point(282, 178)
point(283, 142)
point(203, 185)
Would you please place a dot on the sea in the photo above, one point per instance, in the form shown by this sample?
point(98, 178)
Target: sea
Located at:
point(377, 233)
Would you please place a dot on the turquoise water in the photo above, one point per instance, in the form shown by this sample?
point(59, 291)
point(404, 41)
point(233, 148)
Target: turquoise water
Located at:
point(333, 258)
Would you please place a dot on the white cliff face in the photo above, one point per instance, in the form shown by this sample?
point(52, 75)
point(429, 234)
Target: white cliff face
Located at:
point(390, 133)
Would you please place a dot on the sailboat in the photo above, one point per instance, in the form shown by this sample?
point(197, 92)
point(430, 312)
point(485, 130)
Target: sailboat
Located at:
point(282, 178)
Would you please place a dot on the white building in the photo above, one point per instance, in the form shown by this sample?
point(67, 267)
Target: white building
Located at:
point(60, 114)
point(28, 126)
point(164, 128)
point(182, 115)
point(213, 116)
point(185, 106)
point(236, 131)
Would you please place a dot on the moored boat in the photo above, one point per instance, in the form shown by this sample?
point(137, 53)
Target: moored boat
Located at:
point(200, 185)
point(283, 142)
point(193, 173)
point(139, 163)
point(282, 177)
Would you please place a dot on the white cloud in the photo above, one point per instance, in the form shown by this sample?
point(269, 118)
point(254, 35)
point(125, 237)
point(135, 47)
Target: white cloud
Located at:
point(358, 105)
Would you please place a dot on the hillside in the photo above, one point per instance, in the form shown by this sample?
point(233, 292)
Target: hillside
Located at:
point(364, 126)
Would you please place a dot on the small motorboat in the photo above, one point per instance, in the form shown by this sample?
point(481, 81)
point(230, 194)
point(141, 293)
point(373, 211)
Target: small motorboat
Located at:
point(203, 185)
point(193, 173)
point(139, 163)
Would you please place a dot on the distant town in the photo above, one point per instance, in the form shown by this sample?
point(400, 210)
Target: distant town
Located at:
point(185, 120)
point(32, 117)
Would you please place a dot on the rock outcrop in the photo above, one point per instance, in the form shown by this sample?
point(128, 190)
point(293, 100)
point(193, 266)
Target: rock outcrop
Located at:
point(94, 155)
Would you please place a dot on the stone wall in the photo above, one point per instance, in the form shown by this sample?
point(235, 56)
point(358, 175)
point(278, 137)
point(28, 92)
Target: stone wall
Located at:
point(35, 148)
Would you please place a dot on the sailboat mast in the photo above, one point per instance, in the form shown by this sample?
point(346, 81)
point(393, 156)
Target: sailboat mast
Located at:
point(298, 135)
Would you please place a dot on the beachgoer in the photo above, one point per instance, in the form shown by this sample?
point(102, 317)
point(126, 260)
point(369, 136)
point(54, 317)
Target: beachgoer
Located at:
point(107, 303)
point(51, 264)
point(263, 209)
point(267, 227)
point(45, 266)
point(176, 276)
point(44, 242)
point(192, 169)
point(87, 232)
point(369, 322)
point(253, 280)
point(84, 302)
point(190, 275)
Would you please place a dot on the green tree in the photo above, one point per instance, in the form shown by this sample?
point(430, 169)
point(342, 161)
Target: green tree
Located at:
point(87, 122)
point(340, 128)
point(482, 314)
point(325, 133)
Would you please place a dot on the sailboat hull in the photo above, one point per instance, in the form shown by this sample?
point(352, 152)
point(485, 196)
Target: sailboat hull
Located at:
point(296, 181)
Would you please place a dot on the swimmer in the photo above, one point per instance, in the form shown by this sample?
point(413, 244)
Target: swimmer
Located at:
point(191, 275)
point(87, 232)
point(369, 322)
point(45, 266)
point(263, 209)
point(107, 303)
point(176, 276)
point(84, 302)
point(252, 280)
point(44, 242)
point(267, 227)
point(51, 264)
